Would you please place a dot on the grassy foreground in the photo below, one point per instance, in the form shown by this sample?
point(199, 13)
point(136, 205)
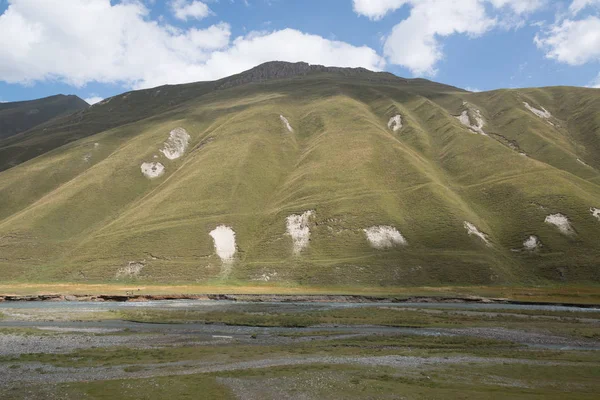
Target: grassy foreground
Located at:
point(287, 361)
point(355, 382)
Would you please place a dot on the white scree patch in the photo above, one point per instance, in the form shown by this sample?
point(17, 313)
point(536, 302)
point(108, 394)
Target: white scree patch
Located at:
point(543, 113)
point(472, 230)
point(464, 118)
point(532, 243)
point(395, 123)
point(266, 277)
point(224, 240)
point(286, 123)
point(466, 121)
point(595, 212)
point(132, 270)
point(384, 237)
point(562, 222)
point(176, 144)
point(298, 229)
point(580, 161)
point(152, 169)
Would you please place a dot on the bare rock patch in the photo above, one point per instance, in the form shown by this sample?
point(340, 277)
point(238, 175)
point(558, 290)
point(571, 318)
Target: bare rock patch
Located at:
point(176, 144)
point(395, 123)
point(131, 270)
point(224, 242)
point(152, 169)
point(384, 237)
point(472, 230)
point(562, 222)
point(472, 119)
point(532, 243)
point(286, 123)
point(543, 113)
point(267, 276)
point(298, 228)
point(580, 161)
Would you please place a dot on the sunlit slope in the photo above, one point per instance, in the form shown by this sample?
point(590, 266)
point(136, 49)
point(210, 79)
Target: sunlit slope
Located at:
point(85, 211)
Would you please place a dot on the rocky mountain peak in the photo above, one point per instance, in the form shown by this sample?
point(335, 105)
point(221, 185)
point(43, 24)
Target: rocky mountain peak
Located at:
point(281, 70)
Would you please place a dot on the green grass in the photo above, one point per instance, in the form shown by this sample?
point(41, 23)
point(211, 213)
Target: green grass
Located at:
point(26, 331)
point(368, 316)
point(376, 345)
point(179, 387)
point(546, 313)
point(66, 220)
point(349, 382)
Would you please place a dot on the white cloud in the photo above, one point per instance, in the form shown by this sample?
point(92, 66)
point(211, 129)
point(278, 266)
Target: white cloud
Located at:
point(288, 45)
point(377, 9)
point(80, 41)
point(93, 100)
point(415, 42)
point(184, 9)
point(595, 83)
point(513, 14)
point(572, 42)
point(519, 6)
point(579, 5)
point(472, 89)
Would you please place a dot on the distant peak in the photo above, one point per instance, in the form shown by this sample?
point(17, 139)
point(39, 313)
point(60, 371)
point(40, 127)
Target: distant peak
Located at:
point(282, 69)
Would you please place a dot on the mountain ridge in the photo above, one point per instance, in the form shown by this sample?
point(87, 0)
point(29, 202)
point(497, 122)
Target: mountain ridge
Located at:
point(20, 116)
point(316, 179)
point(38, 140)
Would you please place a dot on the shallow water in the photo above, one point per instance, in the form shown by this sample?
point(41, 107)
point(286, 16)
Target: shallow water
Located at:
point(22, 312)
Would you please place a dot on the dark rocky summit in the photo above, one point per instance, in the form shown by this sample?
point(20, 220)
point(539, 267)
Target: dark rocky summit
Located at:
point(282, 70)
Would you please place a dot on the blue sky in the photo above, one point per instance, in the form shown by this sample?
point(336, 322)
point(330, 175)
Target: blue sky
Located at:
point(99, 48)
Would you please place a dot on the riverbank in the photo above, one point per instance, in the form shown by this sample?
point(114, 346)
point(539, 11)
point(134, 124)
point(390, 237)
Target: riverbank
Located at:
point(286, 350)
point(282, 298)
point(570, 295)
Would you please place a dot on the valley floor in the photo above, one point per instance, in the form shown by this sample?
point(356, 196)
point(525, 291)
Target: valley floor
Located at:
point(243, 350)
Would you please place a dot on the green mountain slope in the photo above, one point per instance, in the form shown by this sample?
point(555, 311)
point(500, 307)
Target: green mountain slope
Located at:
point(84, 211)
point(21, 116)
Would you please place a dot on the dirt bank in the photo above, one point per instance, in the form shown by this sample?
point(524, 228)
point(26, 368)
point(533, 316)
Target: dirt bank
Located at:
point(281, 298)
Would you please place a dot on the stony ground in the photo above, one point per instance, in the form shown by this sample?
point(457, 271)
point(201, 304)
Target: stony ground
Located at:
point(66, 353)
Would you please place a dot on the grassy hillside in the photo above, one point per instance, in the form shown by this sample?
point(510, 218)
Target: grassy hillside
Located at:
point(20, 116)
point(112, 112)
point(85, 212)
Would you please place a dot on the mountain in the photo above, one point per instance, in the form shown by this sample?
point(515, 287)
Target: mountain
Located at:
point(135, 106)
point(20, 116)
point(308, 175)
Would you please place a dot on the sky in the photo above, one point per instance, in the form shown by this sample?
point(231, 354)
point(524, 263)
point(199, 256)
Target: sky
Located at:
point(99, 48)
